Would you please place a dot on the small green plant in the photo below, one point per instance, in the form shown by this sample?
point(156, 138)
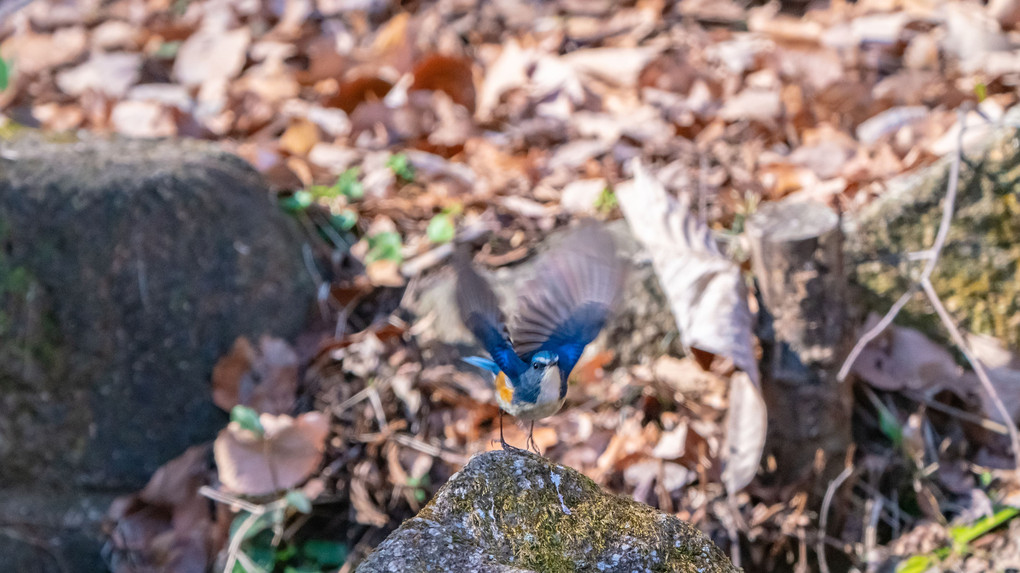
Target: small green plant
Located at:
point(248, 419)
point(167, 50)
point(960, 538)
point(401, 166)
point(890, 426)
point(418, 485)
point(261, 550)
point(344, 220)
point(5, 74)
point(384, 246)
point(745, 207)
point(347, 185)
point(297, 201)
point(441, 228)
point(981, 91)
point(606, 201)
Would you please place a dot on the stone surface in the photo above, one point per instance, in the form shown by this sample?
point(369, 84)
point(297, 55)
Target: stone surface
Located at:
point(976, 276)
point(126, 269)
point(516, 511)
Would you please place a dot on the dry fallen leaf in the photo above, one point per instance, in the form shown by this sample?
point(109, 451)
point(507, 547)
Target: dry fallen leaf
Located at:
point(746, 425)
point(446, 74)
point(705, 289)
point(300, 137)
point(902, 358)
point(709, 302)
point(284, 456)
point(143, 119)
point(166, 526)
point(110, 74)
point(211, 54)
point(264, 380)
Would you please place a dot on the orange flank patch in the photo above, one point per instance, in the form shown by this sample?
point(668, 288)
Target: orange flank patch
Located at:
point(506, 392)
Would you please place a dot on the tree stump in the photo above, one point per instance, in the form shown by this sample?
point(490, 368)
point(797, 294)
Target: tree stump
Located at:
point(797, 257)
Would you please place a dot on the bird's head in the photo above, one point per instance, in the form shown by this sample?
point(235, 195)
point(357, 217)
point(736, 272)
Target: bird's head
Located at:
point(544, 360)
point(541, 381)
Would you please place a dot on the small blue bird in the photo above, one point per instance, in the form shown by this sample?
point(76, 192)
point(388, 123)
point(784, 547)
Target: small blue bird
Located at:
point(559, 312)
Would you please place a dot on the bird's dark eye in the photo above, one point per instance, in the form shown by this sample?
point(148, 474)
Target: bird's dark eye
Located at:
point(537, 366)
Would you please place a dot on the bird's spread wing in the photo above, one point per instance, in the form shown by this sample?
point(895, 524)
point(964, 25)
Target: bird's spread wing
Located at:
point(565, 306)
point(479, 310)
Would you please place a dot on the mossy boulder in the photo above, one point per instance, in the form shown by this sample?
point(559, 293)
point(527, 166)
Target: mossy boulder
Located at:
point(126, 269)
point(978, 273)
point(516, 511)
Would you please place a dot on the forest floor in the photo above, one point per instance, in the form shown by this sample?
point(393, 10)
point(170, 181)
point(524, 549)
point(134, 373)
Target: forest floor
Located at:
point(387, 129)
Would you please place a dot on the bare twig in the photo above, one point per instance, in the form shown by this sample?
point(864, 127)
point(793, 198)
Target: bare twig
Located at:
point(226, 498)
point(429, 449)
point(365, 392)
point(874, 332)
point(924, 283)
point(249, 565)
point(830, 493)
point(871, 533)
point(990, 425)
point(979, 369)
point(255, 511)
point(234, 549)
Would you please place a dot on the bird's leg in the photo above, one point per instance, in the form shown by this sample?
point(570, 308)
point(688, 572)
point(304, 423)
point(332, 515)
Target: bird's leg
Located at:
point(501, 439)
point(531, 439)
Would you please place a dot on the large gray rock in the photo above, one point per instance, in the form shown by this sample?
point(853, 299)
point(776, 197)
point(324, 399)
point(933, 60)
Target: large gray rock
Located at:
point(126, 269)
point(516, 511)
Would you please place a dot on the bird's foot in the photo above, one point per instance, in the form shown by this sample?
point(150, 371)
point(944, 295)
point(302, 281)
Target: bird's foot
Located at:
point(507, 446)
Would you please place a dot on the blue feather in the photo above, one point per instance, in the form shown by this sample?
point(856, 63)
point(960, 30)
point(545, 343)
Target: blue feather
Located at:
point(483, 363)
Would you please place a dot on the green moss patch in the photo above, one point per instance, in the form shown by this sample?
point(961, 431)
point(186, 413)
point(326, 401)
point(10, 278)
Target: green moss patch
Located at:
point(527, 513)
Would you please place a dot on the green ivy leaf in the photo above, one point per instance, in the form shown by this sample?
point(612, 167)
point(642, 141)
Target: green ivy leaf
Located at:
point(606, 201)
point(344, 220)
point(297, 201)
point(890, 426)
point(401, 166)
point(349, 186)
point(981, 91)
point(916, 564)
point(261, 555)
point(384, 246)
point(327, 553)
point(248, 419)
point(965, 534)
point(441, 229)
point(285, 553)
point(299, 501)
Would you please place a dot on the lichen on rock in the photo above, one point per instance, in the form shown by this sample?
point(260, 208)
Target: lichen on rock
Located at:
point(515, 511)
point(977, 272)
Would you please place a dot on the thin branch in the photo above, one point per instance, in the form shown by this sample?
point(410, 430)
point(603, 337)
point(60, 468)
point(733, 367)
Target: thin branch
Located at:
point(979, 369)
point(874, 332)
point(985, 423)
point(234, 549)
point(871, 533)
point(830, 493)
